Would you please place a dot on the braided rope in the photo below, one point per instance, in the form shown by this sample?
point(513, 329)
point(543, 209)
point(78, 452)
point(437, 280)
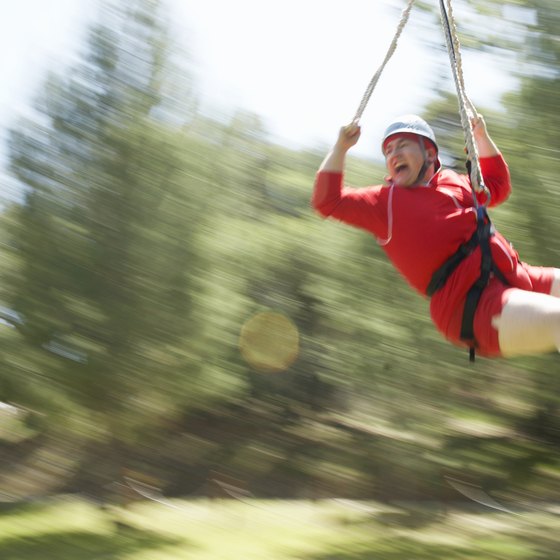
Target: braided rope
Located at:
point(392, 48)
point(466, 108)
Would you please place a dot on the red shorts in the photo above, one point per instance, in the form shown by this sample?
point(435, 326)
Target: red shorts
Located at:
point(491, 303)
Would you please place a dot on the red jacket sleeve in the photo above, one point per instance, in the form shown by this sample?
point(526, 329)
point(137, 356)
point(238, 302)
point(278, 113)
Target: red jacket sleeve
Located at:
point(496, 176)
point(327, 192)
point(359, 207)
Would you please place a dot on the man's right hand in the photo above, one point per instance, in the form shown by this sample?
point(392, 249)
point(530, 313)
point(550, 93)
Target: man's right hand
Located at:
point(348, 136)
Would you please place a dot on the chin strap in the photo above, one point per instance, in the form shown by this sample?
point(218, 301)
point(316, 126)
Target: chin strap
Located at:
point(426, 164)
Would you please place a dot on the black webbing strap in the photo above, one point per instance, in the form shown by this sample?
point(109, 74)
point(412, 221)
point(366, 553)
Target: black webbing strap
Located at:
point(483, 232)
point(440, 276)
point(481, 237)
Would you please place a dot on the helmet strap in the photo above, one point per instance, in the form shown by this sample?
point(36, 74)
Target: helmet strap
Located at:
point(426, 164)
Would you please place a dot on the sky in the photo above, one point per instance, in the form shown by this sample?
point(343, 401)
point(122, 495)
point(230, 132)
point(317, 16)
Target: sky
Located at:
point(302, 65)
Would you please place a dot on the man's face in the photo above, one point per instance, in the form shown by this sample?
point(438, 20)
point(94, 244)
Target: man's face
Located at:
point(404, 158)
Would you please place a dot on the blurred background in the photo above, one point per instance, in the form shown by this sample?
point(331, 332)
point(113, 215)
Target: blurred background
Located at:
point(174, 319)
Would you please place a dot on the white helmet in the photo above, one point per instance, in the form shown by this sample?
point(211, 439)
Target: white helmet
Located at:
point(412, 124)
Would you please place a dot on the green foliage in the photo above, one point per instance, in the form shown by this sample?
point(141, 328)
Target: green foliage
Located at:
point(104, 266)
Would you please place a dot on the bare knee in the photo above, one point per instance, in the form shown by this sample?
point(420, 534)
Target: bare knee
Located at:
point(529, 324)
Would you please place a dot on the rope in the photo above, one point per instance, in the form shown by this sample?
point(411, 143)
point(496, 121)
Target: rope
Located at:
point(466, 108)
point(392, 48)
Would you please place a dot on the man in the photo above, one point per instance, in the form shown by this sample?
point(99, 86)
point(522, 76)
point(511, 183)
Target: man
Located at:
point(421, 218)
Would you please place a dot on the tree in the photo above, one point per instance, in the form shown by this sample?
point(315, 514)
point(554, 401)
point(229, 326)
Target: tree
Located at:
point(105, 239)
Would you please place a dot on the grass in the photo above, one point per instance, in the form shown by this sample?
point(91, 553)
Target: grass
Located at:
point(73, 529)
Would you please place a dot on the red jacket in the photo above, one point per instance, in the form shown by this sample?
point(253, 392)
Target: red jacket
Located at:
point(421, 227)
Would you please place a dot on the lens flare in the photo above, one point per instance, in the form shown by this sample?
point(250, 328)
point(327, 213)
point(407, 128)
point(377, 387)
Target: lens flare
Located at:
point(269, 341)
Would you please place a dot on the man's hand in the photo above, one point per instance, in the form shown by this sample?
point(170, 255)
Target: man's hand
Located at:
point(348, 136)
point(484, 144)
point(478, 125)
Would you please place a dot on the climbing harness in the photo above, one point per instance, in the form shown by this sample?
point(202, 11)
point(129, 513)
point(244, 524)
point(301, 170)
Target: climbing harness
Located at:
point(484, 229)
point(480, 238)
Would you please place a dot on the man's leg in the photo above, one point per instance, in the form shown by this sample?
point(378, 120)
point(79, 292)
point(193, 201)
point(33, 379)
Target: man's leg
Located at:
point(530, 322)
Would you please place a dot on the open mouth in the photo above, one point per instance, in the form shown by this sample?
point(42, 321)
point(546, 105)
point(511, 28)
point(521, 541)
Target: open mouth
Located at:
point(401, 167)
